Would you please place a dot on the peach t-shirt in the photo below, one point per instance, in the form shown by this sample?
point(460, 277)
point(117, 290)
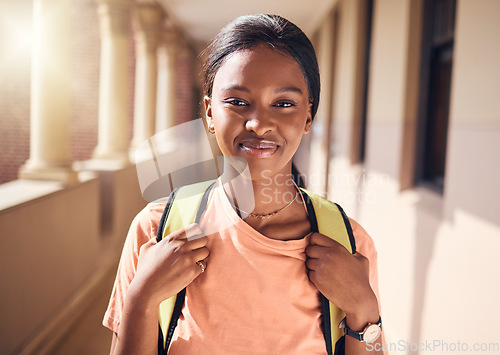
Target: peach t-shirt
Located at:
point(255, 296)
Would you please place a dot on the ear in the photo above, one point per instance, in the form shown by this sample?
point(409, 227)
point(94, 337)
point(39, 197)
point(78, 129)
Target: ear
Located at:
point(207, 101)
point(309, 119)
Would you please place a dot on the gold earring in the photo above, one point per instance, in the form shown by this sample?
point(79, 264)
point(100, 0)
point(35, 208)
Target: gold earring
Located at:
point(211, 129)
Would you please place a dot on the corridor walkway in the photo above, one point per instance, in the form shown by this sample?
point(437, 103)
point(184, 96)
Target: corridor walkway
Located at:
point(89, 336)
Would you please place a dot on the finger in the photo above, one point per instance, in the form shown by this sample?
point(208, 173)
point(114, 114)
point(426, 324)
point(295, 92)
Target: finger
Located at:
point(314, 251)
point(147, 245)
point(202, 265)
point(193, 231)
point(196, 269)
point(199, 254)
point(196, 243)
point(186, 233)
point(312, 276)
point(150, 242)
point(313, 264)
point(322, 240)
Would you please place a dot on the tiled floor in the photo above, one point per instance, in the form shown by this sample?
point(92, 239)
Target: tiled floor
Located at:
point(89, 337)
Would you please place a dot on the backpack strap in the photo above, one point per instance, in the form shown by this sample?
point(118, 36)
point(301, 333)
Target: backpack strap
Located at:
point(328, 218)
point(185, 206)
point(325, 217)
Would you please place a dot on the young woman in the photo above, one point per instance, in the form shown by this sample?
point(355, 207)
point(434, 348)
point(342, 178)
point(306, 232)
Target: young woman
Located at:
point(252, 286)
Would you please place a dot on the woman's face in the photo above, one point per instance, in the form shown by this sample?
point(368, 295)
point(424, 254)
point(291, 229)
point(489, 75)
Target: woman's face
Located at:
point(260, 109)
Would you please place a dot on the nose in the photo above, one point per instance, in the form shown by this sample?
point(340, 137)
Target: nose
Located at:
point(260, 122)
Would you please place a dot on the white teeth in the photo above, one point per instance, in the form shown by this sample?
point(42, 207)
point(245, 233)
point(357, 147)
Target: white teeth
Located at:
point(259, 145)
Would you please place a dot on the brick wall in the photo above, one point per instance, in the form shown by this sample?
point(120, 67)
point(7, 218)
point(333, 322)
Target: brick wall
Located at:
point(85, 48)
point(15, 67)
point(184, 92)
point(15, 74)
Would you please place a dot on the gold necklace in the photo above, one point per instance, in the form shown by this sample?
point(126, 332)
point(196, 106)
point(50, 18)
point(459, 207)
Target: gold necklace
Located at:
point(267, 215)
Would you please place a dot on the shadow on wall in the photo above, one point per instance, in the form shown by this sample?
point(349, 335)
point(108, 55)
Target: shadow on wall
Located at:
point(428, 218)
point(473, 172)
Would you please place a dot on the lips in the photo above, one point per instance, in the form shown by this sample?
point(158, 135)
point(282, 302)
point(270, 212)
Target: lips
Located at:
point(258, 148)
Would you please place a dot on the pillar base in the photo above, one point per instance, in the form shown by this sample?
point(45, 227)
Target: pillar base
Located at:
point(115, 158)
point(102, 164)
point(66, 175)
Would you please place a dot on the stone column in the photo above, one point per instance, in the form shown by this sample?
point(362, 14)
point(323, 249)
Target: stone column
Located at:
point(50, 155)
point(166, 108)
point(149, 18)
point(114, 18)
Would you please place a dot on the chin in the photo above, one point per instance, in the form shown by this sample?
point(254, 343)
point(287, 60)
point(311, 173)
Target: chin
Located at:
point(258, 168)
point(268, 171)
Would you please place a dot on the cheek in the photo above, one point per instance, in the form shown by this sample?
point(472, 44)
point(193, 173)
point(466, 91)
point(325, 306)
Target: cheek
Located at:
point(222, 118)
point(224, 128)
point(297, 126)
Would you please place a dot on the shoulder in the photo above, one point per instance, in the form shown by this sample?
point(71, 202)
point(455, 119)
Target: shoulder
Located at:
point(151, 212)
point(364, 243)
point(145, 223)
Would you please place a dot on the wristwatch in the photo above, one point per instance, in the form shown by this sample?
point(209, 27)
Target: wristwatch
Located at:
point(369, 334)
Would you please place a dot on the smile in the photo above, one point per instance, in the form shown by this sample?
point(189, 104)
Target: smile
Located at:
point(259, 148)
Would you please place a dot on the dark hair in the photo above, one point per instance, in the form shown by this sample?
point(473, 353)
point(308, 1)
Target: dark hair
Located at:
point(275, 31)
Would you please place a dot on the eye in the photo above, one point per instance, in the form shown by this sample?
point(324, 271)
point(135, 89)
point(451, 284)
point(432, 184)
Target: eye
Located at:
point(284, 104)
point(236, 102)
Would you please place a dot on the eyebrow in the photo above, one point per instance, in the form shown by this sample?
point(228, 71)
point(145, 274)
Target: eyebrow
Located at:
point(277, 91)
point(289, 89)
point(237, 87)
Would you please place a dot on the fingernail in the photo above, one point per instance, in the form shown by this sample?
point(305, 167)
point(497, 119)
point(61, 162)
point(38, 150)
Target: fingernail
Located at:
point(194, 232)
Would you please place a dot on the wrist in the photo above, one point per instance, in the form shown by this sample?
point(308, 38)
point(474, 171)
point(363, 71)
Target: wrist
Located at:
point(364, 314)
point(141, 299)
point(370, 333)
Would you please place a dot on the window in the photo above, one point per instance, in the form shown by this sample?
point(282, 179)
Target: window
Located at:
point(366, 65)
point(359, 128)
point(437, 60)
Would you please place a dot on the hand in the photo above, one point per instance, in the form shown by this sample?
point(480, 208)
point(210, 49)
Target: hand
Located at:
point(165, 268)
point(341, 277)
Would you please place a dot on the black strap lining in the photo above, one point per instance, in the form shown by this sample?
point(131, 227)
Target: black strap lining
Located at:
point(161, 349)
point(166, 211)
point(349, 228)
point(339, 346)
point(310, 212)
point(326, 323)
point(179, 301)
point(203, 203)
point(159, 237)
point(325, 305)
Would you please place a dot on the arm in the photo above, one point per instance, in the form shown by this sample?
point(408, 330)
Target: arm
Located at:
point(343, 278)
point(163, 270)
point(113, 343)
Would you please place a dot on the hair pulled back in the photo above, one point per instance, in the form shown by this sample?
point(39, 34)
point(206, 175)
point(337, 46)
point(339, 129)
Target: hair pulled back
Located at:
point(275, 31)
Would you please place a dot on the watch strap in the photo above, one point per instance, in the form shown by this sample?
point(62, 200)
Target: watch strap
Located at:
point(358, 335)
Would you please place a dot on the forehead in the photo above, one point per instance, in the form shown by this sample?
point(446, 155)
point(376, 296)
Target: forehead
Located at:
point(259, 66)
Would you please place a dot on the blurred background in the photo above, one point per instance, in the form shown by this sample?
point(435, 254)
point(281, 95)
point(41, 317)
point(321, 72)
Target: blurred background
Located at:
point(407, 140)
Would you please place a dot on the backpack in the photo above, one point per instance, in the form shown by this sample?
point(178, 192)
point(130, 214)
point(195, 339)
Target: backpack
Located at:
point(186, 205)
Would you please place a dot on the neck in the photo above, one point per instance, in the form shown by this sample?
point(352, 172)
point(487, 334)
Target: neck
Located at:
point(262, 195)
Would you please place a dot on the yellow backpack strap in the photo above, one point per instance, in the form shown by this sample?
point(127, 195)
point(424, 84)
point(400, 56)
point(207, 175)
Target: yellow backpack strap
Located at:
point(329, 219)
point(185, 206)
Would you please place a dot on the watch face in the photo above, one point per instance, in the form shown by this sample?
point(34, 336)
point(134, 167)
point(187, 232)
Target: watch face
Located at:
point(372, 333)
